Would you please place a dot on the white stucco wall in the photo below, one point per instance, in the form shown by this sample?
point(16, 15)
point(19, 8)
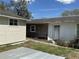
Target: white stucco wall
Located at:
point(50, 32)
point(10, 34)
point(68, 31)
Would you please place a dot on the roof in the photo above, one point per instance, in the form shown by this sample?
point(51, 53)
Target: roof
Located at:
point(48, 20)
point(9, 14)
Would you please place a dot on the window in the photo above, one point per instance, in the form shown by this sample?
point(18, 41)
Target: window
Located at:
point(32, 28)
point(56, 26)
point(13, 22)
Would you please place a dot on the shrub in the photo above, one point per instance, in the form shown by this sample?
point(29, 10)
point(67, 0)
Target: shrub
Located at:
point(74, 43)
point(62, 43)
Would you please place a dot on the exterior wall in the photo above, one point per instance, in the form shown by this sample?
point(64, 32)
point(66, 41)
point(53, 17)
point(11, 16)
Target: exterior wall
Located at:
point(50, 32)
point(4, 21)
point(10, 34)
point(68, 31)
point(22, 23)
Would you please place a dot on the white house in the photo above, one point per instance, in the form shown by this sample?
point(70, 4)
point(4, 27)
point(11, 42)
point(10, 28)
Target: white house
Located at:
point(59, 28)
point(12, 28)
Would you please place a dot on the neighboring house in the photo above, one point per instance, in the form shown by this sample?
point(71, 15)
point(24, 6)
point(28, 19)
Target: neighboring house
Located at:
point(60, 28)
point(12, 28)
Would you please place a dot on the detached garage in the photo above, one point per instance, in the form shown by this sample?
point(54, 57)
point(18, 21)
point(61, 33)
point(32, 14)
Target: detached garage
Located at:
point(12, 28)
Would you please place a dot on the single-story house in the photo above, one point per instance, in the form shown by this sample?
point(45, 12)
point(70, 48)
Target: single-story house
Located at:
point(59, 28)
point(12, 28)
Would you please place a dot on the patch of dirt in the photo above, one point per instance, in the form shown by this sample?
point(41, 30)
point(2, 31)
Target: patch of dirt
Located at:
point(73, 55)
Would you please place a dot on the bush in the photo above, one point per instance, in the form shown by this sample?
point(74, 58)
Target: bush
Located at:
point(62, 43)
point(74, 43)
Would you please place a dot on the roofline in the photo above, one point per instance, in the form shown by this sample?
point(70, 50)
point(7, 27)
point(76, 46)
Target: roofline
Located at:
point(49, 20)
point(57, 17)
point(13, 17)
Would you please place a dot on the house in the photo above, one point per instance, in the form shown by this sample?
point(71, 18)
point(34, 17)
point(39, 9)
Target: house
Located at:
point(60, 28)
point(12, 28)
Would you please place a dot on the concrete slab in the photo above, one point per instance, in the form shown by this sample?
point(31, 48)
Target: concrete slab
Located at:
point(27, 53)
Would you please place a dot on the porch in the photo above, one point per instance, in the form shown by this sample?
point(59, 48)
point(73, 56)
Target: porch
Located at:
point(37, 31)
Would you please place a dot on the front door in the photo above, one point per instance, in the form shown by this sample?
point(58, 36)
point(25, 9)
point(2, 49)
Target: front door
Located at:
point(56, 32)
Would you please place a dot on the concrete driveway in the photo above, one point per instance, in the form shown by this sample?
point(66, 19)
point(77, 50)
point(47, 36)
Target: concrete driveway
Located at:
point(26, 53)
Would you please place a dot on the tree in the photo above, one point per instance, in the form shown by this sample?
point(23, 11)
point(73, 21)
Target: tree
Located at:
point(2, 5)
point(21, 8)
point(70, 12)
point(75, 12)
point(66, 13)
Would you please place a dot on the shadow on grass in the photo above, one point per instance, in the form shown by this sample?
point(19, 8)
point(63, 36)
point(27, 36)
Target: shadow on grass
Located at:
point(9, 47)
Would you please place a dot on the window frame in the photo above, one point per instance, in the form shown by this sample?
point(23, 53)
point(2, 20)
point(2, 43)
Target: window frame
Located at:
point(13, 23)
point(56, 26)
point(32, 26)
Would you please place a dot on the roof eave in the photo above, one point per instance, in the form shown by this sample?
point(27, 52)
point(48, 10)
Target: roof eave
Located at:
point(13, 17)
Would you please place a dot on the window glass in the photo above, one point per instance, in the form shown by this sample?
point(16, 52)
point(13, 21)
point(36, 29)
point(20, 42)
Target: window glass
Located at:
point(32, 28)
point(13, 22)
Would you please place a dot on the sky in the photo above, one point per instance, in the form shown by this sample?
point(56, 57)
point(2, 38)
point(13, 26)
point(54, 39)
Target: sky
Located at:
point(50, 8)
